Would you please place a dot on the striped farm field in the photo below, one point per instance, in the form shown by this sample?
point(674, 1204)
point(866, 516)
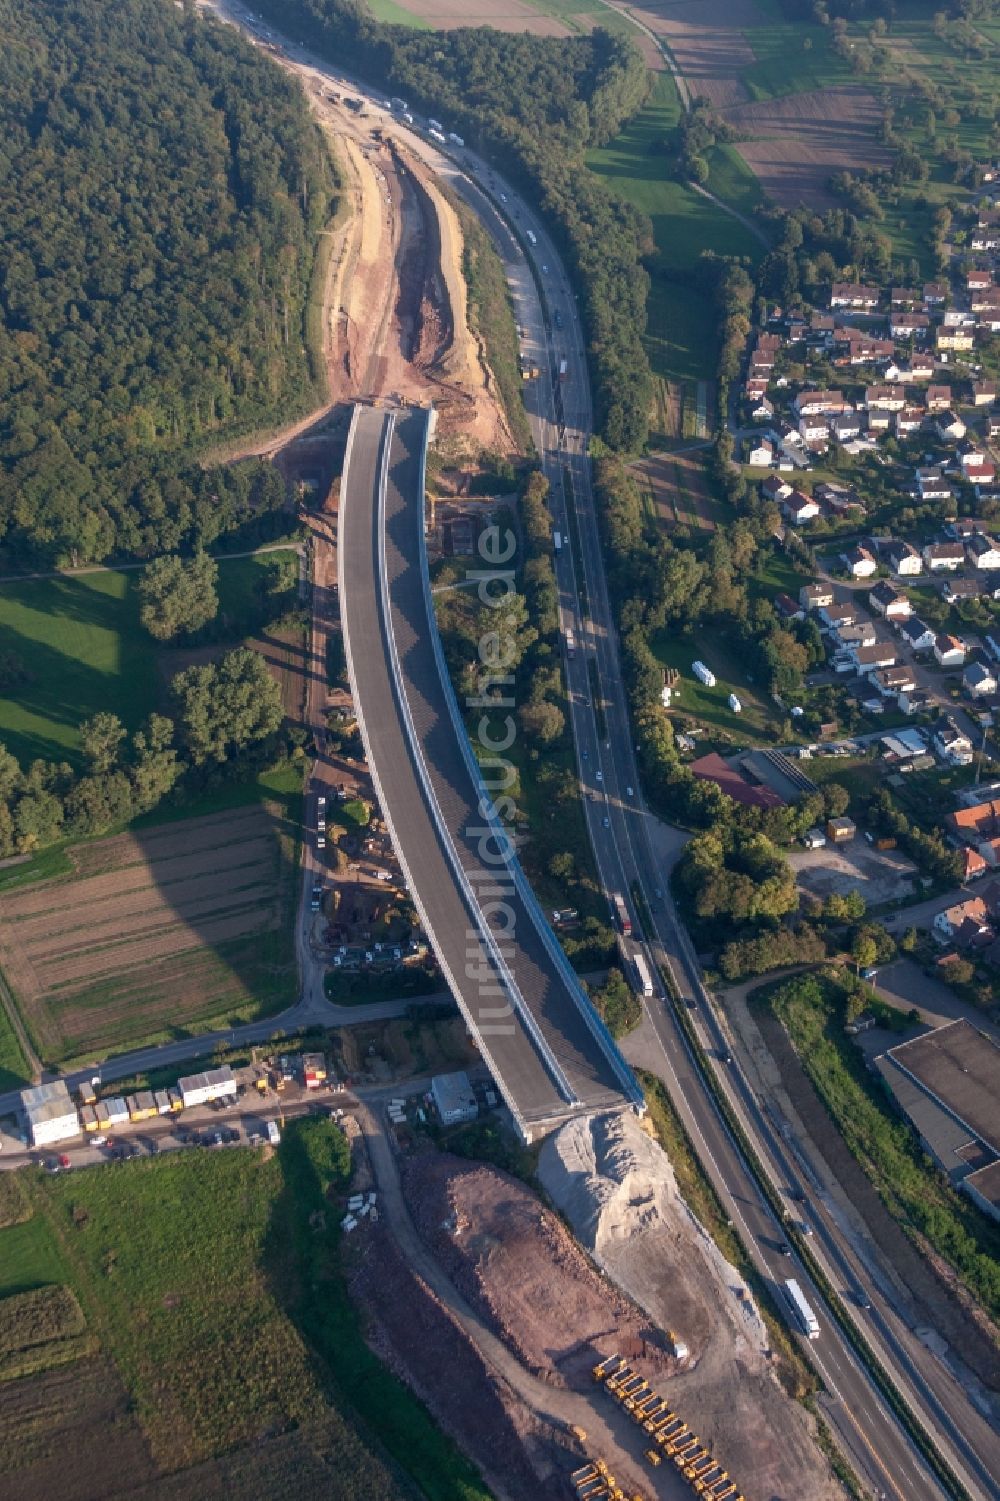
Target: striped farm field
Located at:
point(156, 934)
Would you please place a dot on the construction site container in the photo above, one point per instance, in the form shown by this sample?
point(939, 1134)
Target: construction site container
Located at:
point(117, 1111)
point(653, 1457)
point(162, 1098)
point(348, 1223)
point(88, 1117)
point(176, 1103)
point(86, 1093)
point(703, 674)
point(273, 1133)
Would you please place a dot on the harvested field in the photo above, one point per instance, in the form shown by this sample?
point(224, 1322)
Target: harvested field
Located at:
point(155, 931)
point(798, 141)
point(517, 1265)
point(502, 15)
point(679, 488)
point(707, 40)
point(617, 1190)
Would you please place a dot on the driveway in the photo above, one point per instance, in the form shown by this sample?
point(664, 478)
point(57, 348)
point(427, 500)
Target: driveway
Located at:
point(904, 986)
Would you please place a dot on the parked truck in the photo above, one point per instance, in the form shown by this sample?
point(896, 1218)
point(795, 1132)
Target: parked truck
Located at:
point(273, 1133)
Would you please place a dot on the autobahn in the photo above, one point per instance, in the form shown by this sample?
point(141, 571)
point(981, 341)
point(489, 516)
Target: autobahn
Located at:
point(549, 1052)
point(872, 1436)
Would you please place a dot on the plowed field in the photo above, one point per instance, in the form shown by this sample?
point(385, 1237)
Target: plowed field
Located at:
point(154, 933)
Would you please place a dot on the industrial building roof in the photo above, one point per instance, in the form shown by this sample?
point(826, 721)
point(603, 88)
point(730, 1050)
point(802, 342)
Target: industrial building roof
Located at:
point(453, 1091)
point(210, 1079)
point(734, 784)
point(948, 1140)
point(47, 1102)
point(959, 1067)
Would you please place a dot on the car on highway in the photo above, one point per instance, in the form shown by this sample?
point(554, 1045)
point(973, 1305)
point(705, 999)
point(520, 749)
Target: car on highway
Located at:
point(321, 840)
point(606, 822)
point(784, 1248)
point(725, 1055)
point(600, 776)
point(630, 791)
point(315, 897)
point(805, 1228)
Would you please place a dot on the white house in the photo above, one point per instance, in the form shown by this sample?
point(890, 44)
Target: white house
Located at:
point(950, 427)
point(944, 555)
point(950, 743)
point(971, 914)
point(859, 563)
point(799, 507)
point(932, 485)
point(761, 453)
point(978, 680)
point(917, 635)
point(903, 558)
point(814, 429)
point(889, 602)
point(983, 551)
point(816, 403)
point(50, 1114)
point(949, 651)
point(869, 659)
point(454, 1097)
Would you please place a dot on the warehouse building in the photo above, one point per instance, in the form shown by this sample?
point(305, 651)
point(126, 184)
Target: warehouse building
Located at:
point(947, 1082)
point(454, 1098)
point(213, 1084)
point(50, 1114)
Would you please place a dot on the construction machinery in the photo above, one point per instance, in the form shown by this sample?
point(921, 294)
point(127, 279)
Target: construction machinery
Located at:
point(653, 1457)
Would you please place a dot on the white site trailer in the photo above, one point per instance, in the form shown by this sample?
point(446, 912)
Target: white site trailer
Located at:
point(703, 674)
point(213, 1084)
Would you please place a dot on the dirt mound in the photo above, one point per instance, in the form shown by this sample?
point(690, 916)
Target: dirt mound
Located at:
point(616, 1187)
point(515, 1263)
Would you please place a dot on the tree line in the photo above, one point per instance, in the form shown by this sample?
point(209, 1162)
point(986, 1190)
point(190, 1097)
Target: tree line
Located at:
point(161, 191)
point(534, 105)
point(225, 720)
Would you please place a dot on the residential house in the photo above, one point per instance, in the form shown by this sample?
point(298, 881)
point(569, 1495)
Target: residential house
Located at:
point(761, 408)
point(903, 558)
point(938, 398)
point(862, 349)
point(984, 552)
point(989, 849)
point(889, 602)
point(954, 340)
point(799, 507)
point(982, 477)
point(845, 428)
point(958, 317)
point(834, 616)
point(814, 430)
point(774, 488)
point(935, 293)
point(978, 281)
point(884, 399)
point(986, 301)
point(909, 325)
point(984, 237)
point(854, 295)
point(916, 701)
point(977, 822)
point(891, 681)
point(815, 596)
point(950, 427)
point(909, 420)
point(951, 744)
point(949, 651)
point(839, 498)
point(917, 634)
point(878, 421)
point(761, 452)
point(869, 659)
point(818, 403)
point(849, 637)
point(940, 555)
point(978, 680)
point(859, 562)
point(955, 590)
point(966, 923)
point(932, 485)
point(961, 528)
point(755, 387)
point(789, 608)
point(984, 393)
point(973, 864)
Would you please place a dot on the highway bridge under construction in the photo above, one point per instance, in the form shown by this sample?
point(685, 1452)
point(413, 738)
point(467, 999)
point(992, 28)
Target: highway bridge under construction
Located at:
point(549, 1052)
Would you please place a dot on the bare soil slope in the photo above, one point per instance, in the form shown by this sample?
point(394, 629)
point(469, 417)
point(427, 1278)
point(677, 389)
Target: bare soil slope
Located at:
point(617, 1189)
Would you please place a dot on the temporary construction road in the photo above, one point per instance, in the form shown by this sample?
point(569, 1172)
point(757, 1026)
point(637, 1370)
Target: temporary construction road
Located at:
point(549, 1052)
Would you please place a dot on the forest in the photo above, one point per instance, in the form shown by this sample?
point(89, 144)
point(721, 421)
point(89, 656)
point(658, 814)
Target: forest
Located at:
point(534, 105)
point(161, 191)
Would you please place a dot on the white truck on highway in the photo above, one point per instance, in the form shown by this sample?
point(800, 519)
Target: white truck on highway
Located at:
point(557, 541)
point(532, 237)
point(437, 135)
point(644, 980)
point(801, 1312)
point(455, 140)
